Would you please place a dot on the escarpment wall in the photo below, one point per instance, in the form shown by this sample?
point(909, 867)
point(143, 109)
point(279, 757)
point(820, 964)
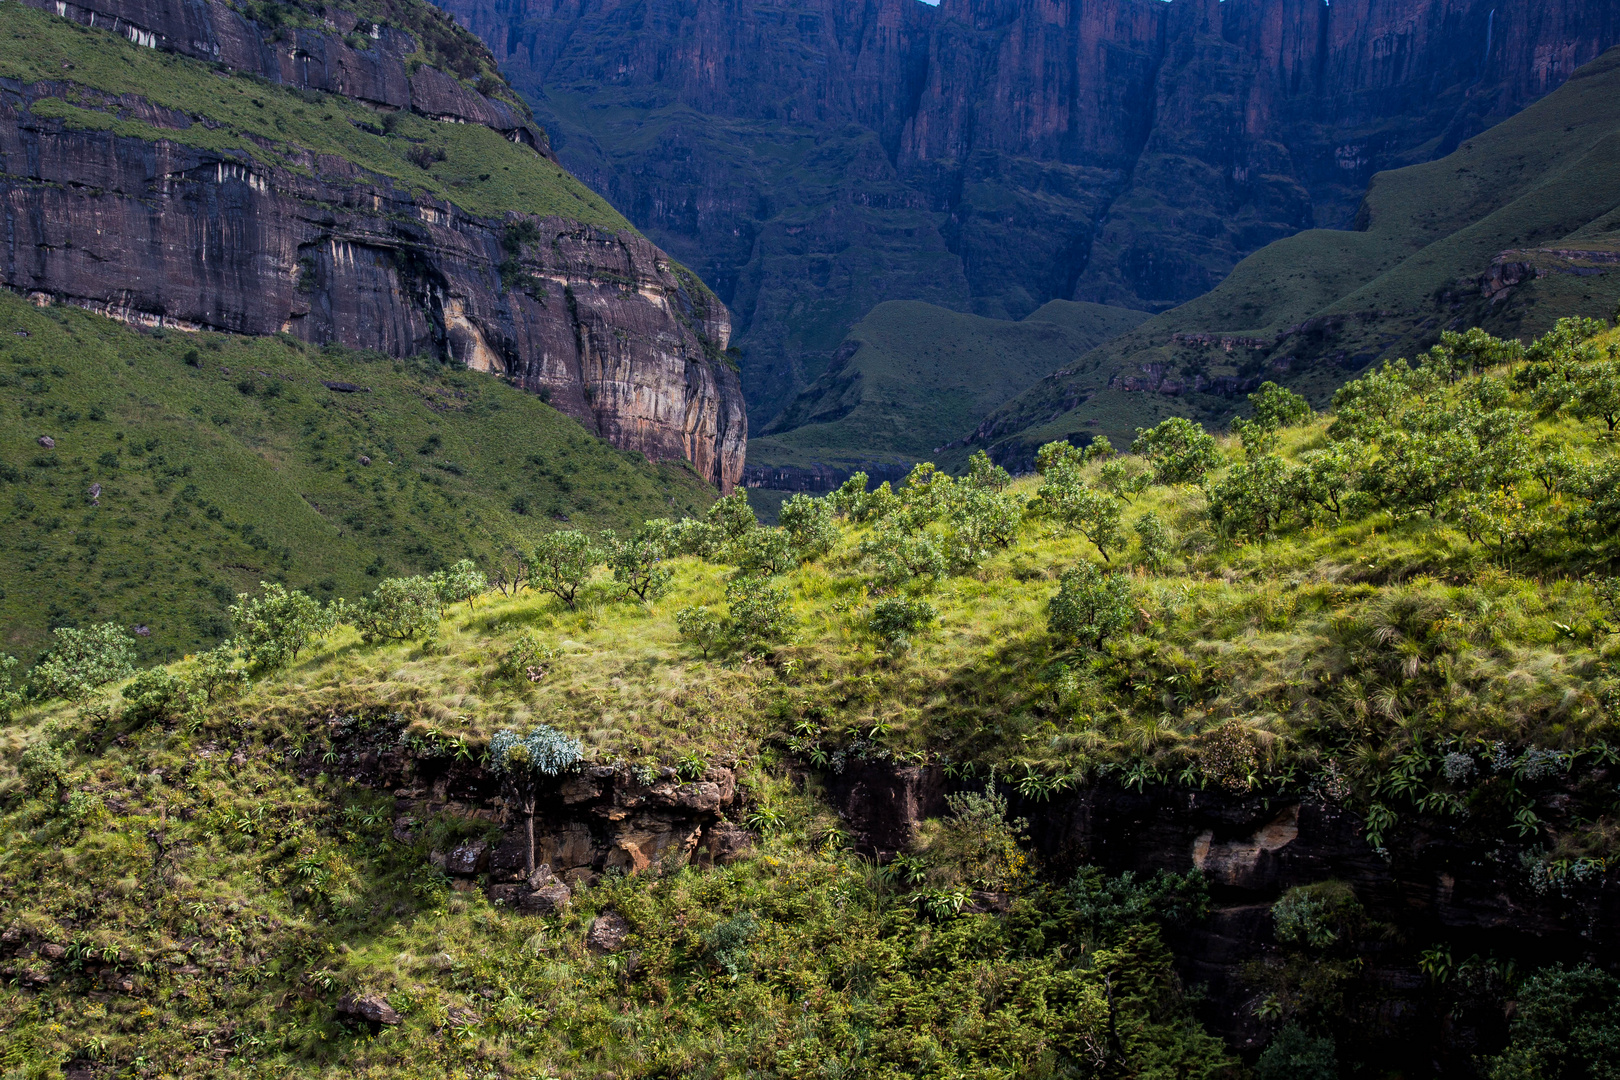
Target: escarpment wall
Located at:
point(1458, 883)
point(160, 233)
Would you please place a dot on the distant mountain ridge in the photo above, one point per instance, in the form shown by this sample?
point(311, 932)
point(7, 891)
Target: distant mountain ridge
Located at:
point(814, 160)
point(1517, 227)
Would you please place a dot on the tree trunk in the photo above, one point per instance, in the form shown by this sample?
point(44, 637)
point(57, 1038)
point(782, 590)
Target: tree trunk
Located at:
point(528, 821)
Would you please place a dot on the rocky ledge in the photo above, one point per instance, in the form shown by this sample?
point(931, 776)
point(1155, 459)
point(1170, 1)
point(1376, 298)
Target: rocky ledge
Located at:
point(156, 232)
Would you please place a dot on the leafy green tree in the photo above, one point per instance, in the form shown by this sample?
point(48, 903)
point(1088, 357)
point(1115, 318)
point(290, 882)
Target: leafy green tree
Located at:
point(461, 582)
point(524, 763)
point(1294, 1055)
point(1566, 1027)
point(155, 696)
point(986, 474)
point(879, 503)
point(700, 539)
point(899, 557)
point(1091, 605)
point(982, 521)
point(637, 563)
point(1058, 455)
point(1476, 351)
point(273, 628)
point(810, 526)
point(1123, 479)
point(1324, 481)
point(763, 551)
point(759, 616)
point(13, 694)
point(398, 609)
point(562, 563)
point(897, 620)
point(1278, 407)
point(847, 499)
point(1252, 499)
point(1179, 450)
point(927, 495)
point(700, 626)
point(216, 677)
point(1596, 394)
point(732, 516)
point(1094, 514)
point(1154, 539)
point(82, 660)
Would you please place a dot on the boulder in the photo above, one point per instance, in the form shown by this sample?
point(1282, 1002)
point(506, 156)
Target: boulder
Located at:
point(608, 933)
point(547, 900)
point(369, 1007)
point(725, 843)
point(47, 442)
point(468, 859)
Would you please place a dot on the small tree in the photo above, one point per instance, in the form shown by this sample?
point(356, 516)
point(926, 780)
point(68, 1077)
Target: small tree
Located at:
point(1094, 514)
point(927, 495)
point(1123, 479)
point(1180, 450)
point(809, 525)
point(897, 620)
point(399, 608)
point(1597, 393)
point(637, 563)
point(763, 551)
point(759, 615)
point(699, 626)
point(700, 539)
point(12, 693)
point(1252, 498)
point(82, 660)
point(524, 763)
point(155, 695)
point(511, 573)
point(1090, 605)
point(983, 521)
point(215, 676)
point(732, 516)
point(561, 564)
point(274, 627)
point(1155, 541)
point(1278, 407)
point(848, 497)
point(986, 474)
point(463, 581)
point(900, 557)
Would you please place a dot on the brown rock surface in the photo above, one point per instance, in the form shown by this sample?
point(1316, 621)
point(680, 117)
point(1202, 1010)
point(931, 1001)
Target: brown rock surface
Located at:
point(158, 233)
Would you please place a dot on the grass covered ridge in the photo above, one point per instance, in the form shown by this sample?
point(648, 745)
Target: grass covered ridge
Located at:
point(476, 169)
point(223, 461)
point(220, 879)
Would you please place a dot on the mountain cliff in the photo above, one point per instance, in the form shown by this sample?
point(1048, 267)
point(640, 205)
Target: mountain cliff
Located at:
point(1517, 227)
point(989, 156)
point(358, 177)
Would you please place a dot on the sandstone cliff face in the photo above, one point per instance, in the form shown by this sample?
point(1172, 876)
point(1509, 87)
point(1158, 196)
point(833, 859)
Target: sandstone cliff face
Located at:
point(815, 159)
point(159, 232)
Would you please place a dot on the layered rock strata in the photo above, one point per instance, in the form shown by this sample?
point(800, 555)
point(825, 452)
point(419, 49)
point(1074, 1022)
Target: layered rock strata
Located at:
point(815, 159)
point(159, 232)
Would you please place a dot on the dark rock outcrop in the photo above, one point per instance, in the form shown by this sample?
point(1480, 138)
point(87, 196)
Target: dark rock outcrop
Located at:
point(989, 155)
point(1459, 884)
point(157, 232)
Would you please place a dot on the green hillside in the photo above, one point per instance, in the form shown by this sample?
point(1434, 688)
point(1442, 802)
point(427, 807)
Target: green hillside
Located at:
point(1313, 309)
point(1403, 611)
point(223, 461)
point(913, 376)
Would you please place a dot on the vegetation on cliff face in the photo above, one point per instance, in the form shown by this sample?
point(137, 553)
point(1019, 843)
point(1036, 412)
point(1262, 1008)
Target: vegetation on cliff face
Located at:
point(469, 165)
point(1405, 607)
point(186, 468)
point(1532, 195)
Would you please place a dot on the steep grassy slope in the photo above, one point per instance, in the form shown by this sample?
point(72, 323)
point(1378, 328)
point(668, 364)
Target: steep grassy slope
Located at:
point(222, 461)
point(195, 892)
point(475, 169)
point(911, 376)
point(1315, 308)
